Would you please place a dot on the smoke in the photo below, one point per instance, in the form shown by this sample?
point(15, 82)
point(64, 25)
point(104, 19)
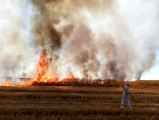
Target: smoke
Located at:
point(104, 39)
point(15, 34)
point(121, 31)
point(68, 20)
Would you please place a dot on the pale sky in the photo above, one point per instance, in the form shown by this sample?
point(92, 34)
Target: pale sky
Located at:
point(153, 73)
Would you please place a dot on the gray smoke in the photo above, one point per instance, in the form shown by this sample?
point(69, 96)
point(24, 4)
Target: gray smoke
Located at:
point(17, 55)
point(104, 39)
point(111, 29)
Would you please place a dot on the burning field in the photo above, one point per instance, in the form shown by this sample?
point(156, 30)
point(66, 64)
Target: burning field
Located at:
point(66, 40)
point(47, 97)
point(42, 78)
point(67, 59)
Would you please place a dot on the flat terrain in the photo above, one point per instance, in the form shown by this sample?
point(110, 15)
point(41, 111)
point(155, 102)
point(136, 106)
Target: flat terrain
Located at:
point(78, 103)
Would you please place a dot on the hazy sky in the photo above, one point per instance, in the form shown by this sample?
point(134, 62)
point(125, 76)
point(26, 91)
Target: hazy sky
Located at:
point(153, 73)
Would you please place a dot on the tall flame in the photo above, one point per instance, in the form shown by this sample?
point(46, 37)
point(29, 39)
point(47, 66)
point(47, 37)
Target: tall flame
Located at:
point(42, 70)
point(42, 67)
point(42, 75)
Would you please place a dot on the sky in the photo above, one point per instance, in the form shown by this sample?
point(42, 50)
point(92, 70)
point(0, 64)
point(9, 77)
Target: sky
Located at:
point(153, 73)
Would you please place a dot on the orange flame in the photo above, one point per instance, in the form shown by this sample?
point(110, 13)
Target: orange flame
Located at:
point(42, 77)
point(43, 65)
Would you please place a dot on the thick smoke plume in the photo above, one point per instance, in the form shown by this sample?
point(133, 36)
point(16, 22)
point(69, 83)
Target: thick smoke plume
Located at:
point(104, 39)
point(93, 30)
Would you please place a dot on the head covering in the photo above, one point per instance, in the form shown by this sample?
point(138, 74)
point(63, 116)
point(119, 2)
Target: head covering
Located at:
point(126, 86)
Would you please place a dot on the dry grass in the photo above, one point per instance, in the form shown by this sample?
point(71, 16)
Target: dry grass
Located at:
point(78, 103)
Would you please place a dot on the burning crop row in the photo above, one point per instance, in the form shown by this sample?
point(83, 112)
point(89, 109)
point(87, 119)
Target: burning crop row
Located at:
point(43, 78)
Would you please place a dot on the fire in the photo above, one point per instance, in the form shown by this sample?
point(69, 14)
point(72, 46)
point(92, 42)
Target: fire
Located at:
point(7, 83)
point(42, 68)
point(43, 78)
point(70, 79)
point(43, 65)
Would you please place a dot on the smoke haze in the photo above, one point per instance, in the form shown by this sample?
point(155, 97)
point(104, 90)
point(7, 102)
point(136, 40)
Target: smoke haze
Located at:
point(106, 39)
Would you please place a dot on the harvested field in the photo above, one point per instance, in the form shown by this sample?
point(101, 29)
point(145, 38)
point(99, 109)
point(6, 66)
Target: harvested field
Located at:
point(78, 103)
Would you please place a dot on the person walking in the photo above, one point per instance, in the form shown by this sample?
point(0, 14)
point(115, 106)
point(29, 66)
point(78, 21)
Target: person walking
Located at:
point(125, 102)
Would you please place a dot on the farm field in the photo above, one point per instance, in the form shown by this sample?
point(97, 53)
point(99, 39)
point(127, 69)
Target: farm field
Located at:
point(79, 102)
